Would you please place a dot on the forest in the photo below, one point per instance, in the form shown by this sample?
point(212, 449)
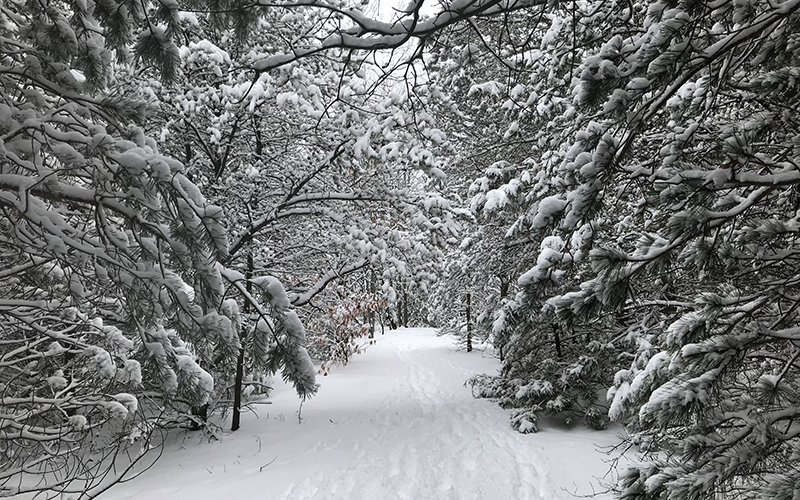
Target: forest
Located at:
point(196, 195)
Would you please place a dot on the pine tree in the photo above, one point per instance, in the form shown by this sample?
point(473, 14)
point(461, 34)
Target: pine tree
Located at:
point(111, 293)
point(702, 276)
point(667, 186)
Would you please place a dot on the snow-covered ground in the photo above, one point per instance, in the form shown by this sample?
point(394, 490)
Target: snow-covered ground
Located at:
point(395, 423)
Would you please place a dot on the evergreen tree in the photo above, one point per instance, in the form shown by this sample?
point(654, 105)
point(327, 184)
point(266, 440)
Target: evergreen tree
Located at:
point(112, 310)
point(666, 183)
point(708, 160)
point(506, 101)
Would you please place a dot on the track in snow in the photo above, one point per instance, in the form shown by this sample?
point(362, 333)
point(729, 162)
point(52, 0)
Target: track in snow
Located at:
point(396, 423)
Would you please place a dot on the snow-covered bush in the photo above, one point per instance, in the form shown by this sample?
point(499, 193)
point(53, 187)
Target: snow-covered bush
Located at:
point(524, 420)
point(338, 335)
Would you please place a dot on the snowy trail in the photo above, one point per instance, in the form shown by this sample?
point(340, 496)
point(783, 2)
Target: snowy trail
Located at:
point(396, 423)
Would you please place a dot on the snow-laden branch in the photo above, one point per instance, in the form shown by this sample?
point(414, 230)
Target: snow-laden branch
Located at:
point(325, 280)
point(284, 210)
point(762, 26)
point(279, 336)
point(370, 34)
point(333, 196)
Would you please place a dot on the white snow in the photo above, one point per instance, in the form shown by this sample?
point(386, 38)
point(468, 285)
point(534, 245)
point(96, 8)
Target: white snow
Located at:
point(395, 423)
point(547, 210)
point(273, 287)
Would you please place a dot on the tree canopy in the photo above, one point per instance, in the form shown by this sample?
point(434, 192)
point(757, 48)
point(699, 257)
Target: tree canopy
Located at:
point(613, 184)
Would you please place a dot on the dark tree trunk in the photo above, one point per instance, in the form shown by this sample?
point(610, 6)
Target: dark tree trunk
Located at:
point(201, 412)
point(504, 283)
point(373, 311)
point(237, 383)
point(469, 322)
point(405, 306)
point(237, 390)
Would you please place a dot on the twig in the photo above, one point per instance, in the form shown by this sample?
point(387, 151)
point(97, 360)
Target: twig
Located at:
point(267, 464)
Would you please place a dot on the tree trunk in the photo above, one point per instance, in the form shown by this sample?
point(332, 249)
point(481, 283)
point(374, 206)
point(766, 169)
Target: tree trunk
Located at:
point(504, 283)
point(373, 311)
point(469, 322)
point(201, 412)
point(405, 306)
point(237, 382)
point(237, 390)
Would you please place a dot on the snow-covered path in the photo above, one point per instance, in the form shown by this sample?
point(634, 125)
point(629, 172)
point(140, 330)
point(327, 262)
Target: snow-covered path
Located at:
point(396, 423)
